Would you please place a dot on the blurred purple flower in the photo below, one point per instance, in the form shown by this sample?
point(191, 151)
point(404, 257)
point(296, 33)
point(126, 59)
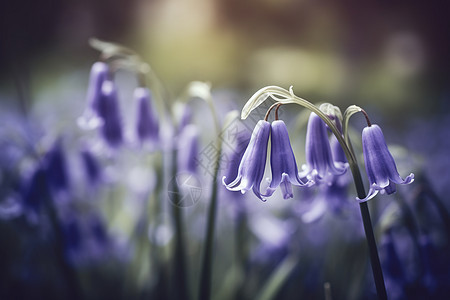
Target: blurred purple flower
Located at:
point(91, 166)
point(380, 165)
point(184, 113)
point(436, 266)
point(56, 168)
point(188, 150)
point(86, 239)
point(90, 118)
point(35, 190)
point(108, 110)
point(320, 166)
point(72, 237)
point(147, 123)
point(251, 168)
point(282, 162)
point(393, 268)
point(336, 194)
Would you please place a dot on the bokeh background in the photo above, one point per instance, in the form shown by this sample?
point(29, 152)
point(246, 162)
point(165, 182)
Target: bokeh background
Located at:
point(390, 57)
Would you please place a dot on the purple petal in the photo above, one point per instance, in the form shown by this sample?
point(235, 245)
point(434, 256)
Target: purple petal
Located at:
point(91, 118)
point(108, 110)
point(320, 165)
point(188, 149)
point(282, 159)
point(380, 165)
point(251, 168)
point(147, 124)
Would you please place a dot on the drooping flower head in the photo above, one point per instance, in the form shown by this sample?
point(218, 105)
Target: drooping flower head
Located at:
point(108, 110)
point(91, 118)
point(320, 166)
point(251, 168)
point(380, 165)
point(282, 162)
point(147, 126)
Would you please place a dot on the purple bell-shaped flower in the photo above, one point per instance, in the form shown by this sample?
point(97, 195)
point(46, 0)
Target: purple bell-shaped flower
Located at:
point(91, 167)
point(251, 168)
point(90, 118)
point(35, 190)
point(188, 150)
point(108, 110)
point(320, 165)
point(147, 124)
point(56, 168)
point(380, 165)
point(282, 162)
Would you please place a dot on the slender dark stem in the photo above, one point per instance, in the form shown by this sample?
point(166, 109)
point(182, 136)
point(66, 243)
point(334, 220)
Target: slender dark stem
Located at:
point(179, 271)
point(266, 117)
point(374, 259)
point(206, 268)
point(276, 111)
point(367, 117)
point(240, 250)
point(368, 229)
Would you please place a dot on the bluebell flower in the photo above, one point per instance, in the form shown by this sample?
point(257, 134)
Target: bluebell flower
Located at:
point(147, 124)
point(108, 110)
point(336, 151)
point(91, 118)
point(320, 166)
point(251, 168)
point(188, 150)
point(282, 162)
point(336, 194)
point(35, 190)
point(380, 165)
point(56, 168)
point(91, 166)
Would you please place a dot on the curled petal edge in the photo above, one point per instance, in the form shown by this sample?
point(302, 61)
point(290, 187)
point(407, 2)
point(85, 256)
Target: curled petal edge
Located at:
point(237, 185)
point(409, 179)
point(374, 189)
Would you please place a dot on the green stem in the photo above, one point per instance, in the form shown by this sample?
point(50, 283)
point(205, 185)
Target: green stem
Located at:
point(240, 254)
point(206, 269)
point(204, 292)
point(179, 263)
point(374, 259)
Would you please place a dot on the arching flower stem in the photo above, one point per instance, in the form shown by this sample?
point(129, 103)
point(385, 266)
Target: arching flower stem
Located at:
point(367, 117)
point(284, 96)
point(277, 105)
